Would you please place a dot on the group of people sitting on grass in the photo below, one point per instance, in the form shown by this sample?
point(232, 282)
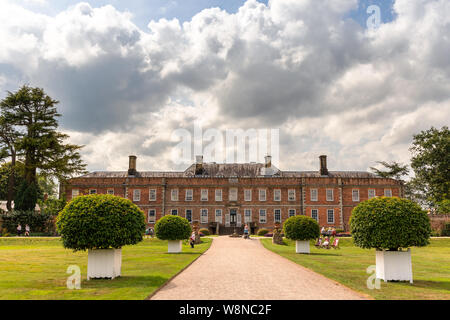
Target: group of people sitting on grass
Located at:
point(328, 239)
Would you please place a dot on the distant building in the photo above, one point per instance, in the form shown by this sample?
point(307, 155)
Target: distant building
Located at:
point(223, 197)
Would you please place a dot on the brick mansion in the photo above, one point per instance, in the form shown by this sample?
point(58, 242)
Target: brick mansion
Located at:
point(223, 197)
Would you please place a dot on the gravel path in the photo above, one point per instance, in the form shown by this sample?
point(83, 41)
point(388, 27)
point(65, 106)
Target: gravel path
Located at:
point(238, 269)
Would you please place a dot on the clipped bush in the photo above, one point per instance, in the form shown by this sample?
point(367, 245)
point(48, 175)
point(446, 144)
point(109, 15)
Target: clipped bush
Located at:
point(172, 228)
point(38, 221)
point(262, 232)
point(301, 228)
point(389, 223)
point(100, 222)
point(204, 231)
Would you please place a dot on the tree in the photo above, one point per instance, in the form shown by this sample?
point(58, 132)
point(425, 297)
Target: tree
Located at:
point(443, 207)
point(395, 170)
point(172, 228)
point(5, 179)
point(301, 228)
point(431, 164)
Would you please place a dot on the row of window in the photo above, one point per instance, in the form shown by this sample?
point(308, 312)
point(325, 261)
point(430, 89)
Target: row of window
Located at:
point(233, 194)
point(247, 215)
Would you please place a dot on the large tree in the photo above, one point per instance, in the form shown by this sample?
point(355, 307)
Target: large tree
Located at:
point(394, 170)
point(34, 117)
point(431, 164)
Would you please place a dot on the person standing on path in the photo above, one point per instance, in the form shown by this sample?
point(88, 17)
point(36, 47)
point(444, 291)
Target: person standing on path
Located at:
point(246, 231)
point(192, 239)
point(19, 230)
point(27, 230)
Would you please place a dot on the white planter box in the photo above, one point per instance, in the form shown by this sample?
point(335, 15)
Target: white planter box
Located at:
point(302, 246)
point(394, 265)
point(174, 246)
point(104, 263)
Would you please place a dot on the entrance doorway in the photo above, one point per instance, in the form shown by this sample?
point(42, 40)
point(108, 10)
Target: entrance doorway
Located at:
point(233, 217)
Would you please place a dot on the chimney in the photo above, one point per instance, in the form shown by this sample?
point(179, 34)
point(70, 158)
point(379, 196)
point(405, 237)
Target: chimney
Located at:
point(132, 166)
point(199, 165)
point(268, 161)
point(323, 165)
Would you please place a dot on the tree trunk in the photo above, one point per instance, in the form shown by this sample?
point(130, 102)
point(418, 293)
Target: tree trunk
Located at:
point(11, 180)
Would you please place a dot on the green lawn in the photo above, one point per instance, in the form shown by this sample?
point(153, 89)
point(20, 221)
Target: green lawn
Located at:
point(431, 268)
point(35, 268)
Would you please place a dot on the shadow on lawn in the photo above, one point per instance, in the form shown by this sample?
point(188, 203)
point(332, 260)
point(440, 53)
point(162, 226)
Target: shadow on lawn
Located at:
point(126, 281)
point(437, 285)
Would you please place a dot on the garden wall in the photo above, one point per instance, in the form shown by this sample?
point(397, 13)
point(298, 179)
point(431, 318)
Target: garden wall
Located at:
point(438, 221)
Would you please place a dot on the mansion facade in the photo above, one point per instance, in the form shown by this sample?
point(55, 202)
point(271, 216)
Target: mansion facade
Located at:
point(224, 197)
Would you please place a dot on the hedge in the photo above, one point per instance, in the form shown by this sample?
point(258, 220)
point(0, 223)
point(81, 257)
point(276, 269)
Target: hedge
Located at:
point(38, 222)
point(301, 228)
point(100, 222)
point(172, 228)
point(205, 232)
point(389, 223)
point(262, 232)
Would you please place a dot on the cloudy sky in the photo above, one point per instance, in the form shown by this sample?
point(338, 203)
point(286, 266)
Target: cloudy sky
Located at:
point(129, 73)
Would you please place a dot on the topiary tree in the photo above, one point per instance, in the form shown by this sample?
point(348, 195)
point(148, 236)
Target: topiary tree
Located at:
point(100, 222)
point(390, 223)
point(301, 228)
point(172, 228)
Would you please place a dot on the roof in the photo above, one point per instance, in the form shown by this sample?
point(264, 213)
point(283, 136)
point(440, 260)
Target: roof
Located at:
point(229, 170)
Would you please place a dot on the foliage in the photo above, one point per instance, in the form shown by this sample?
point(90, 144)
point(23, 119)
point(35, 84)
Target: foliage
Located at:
point(205, 232)
point(100, 222)
point(172, 228)
point(5, 173)
point(262, 232)
point(431, 163)
point(389, 223)
point(53, 206)
point(395, 170)
point(38, 222)
point(26, 197)
point(301, 228)
point(443, 207)
point(446, 231)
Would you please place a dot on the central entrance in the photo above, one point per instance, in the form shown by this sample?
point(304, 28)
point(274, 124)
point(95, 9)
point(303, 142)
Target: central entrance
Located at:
point(233, 217)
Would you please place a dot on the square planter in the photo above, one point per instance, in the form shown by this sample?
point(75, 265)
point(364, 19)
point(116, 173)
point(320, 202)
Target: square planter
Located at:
point(104, 263)
point(394, 265)
point(174, 246)
point(302, 246)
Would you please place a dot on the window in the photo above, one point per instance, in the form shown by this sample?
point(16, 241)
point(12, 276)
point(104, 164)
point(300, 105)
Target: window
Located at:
point(152, 195)
point(204, 216)
point(262, 194)
point(93, 191)
point(151, 216)
point(174, 195)
point(277, 195)
point(330, 216)
point(314, 195)
point(218, 194)
point(388, 193)
point(355, 195)
point(110, 191)
point(137, 195)
point(233, 194)
point(189, 215)
point(247, 215)
point(248, 195)
point(174, 212)
point(371, 193)
point(218, 215)
point(75, 193)
point(330, 195)
point(292, 213)
point(277, 215)
point(189, 195)
point(262, 216)
point(291, 195)
point(204, 195)
point(315, 214)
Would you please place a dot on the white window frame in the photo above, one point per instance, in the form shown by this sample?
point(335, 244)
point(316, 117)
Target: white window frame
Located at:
point(290, 211)
point(275, 196)
point(247, 218)
point(261, 216)
point(262, 194)
point(75, 193)
point(275, 215)
point(291, 195)
point(218, 194)
point(204, 195)
point(247, 194)
point(108, 191)
point(317, 214)
point(311, 192)
point(186, 216)
point(328, 216)
point(330, 198)
point(150, 192)
point(92, 191)
point(189, 195)
point(174, 195)
point(203, 220)
point(218, 213)
point(150, 220)
point(386, 194)
point(233, 191)
point(136, 195)
point(172, 211)
point(355, 199)
point(369, 196)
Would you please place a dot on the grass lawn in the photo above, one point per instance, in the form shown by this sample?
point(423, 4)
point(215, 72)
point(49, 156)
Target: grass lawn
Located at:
point(35, 268)
point(431, 268)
